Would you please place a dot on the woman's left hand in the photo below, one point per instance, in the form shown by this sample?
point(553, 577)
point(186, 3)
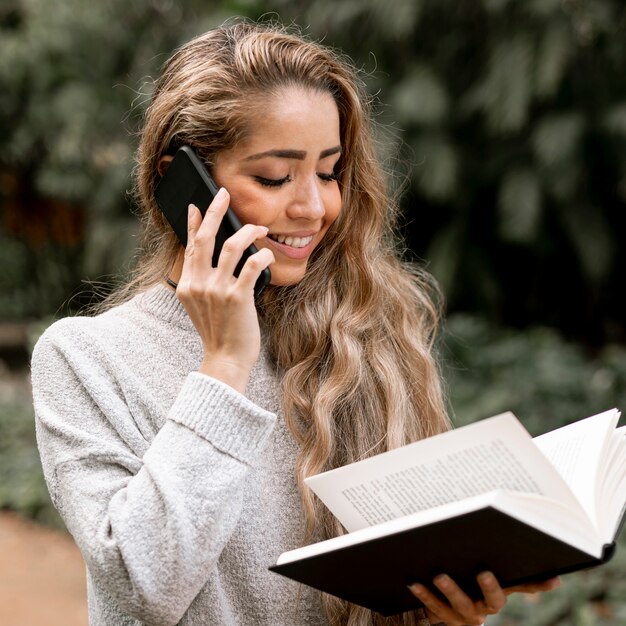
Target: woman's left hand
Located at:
point(461, 610)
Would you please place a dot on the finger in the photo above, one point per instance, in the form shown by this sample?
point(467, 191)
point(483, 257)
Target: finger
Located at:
point(432, 603)
point(201, 239)
point(458, 599)
point(194, 220)
point(234, 247)
point(494, 596)
point(253, 267)
point(443, 611)
point(544, 585)
point(205, 236)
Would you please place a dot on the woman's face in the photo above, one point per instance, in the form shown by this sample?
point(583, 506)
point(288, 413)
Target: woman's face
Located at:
point(282, 176)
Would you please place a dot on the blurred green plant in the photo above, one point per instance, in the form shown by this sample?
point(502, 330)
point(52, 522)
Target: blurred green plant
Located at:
point(22, 486)
point(504, 123)
point(75, 78)
point(510, 120)
point(546, 381)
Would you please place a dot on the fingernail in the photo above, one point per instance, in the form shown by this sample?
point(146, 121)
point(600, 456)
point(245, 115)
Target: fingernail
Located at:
point(191, 209)
point(486, 578)
point(221, 194)
point(442, 581)
point(265, 228)
point(416, 589)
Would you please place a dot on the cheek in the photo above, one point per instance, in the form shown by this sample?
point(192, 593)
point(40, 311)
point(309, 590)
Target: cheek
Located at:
point(333, 204)
point(250, 208)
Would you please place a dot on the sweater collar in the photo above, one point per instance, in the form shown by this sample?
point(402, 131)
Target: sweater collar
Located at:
point(162, 302)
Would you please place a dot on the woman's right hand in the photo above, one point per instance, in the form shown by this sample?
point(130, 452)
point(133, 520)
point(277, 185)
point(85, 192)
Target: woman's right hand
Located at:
point(220, 305)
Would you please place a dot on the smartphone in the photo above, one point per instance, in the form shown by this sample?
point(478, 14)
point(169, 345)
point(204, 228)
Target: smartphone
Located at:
point(187, 181)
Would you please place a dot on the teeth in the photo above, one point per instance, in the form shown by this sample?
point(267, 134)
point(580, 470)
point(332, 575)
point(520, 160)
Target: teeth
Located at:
point(294, 242)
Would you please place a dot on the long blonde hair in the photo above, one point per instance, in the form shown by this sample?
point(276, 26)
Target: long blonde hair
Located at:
point(353, 341)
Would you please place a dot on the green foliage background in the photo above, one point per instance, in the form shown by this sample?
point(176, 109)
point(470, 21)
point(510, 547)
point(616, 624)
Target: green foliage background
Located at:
point(502, 124)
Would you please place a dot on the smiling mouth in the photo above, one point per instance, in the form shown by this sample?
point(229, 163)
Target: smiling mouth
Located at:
point(294, 242)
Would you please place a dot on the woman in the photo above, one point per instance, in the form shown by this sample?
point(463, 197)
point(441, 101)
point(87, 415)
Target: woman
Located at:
point(177, 426)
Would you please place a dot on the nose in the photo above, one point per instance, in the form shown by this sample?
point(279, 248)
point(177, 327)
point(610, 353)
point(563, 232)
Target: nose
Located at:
point(307, 202)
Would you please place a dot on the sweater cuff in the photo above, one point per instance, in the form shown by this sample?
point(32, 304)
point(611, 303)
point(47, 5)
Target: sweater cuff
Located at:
point(222, 416)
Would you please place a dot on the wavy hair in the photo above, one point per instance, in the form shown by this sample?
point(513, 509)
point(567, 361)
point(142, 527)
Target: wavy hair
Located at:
point(353, 341)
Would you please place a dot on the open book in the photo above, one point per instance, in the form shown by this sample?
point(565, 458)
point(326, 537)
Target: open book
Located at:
point(484, 496)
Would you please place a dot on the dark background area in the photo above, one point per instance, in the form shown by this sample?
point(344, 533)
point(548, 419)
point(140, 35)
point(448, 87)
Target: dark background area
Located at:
point(503, 123)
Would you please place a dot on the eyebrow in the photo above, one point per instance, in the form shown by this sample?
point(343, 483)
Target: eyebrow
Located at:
point(300, 155)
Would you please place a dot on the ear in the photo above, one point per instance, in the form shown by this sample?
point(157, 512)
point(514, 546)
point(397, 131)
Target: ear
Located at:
point(164, 163)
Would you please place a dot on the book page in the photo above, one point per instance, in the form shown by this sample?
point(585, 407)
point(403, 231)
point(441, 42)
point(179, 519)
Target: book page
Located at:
point(524, 507)
point(613, 486)
point(580, 452)
point(493, 454)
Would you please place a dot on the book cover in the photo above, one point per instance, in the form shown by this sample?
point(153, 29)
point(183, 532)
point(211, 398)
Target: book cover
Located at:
point(375, 573)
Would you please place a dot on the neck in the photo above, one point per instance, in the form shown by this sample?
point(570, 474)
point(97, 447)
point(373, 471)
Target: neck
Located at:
point(174, 274)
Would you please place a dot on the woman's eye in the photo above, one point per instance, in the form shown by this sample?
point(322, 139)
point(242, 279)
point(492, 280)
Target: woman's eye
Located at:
point(272, 182)
point(329, 177)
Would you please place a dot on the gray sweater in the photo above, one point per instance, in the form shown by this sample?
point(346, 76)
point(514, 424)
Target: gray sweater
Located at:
point(178, 490)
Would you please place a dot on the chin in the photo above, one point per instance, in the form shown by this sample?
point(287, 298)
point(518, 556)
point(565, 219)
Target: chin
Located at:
point(286, 282)
point(285, 279)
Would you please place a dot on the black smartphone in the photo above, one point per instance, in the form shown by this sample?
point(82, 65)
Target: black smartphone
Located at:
point(186, 182)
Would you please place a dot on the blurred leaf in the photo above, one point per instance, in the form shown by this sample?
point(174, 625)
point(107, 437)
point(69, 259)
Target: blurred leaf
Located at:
point(388, 23)
point(420, 98)
point(495, 6)
point(340, 14)
point(553, 55)
point(437, 166)
point(557, 138)
point(443, 254)
point(564, 182)
point(544, 8)
point(591, 237)
point(504, 94)
point(110, 245)
point(615, 119)
point(398, 20)
point(519, 206)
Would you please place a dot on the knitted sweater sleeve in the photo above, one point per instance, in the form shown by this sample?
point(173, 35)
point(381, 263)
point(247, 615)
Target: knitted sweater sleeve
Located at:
point(150, 527)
